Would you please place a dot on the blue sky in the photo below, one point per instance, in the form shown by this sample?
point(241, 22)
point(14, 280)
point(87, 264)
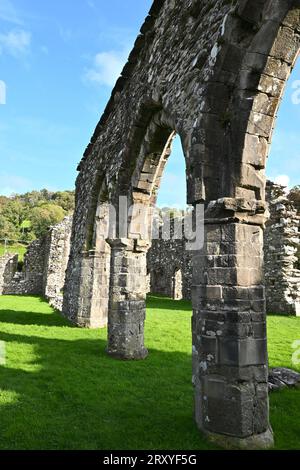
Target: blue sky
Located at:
point(59, 60)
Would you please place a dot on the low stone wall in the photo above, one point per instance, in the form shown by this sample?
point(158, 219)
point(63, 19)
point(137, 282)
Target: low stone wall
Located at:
point(169, 263)
point(44, 269)
point(30, 281)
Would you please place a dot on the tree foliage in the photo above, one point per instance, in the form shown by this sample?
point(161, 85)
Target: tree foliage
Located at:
point(28, 216)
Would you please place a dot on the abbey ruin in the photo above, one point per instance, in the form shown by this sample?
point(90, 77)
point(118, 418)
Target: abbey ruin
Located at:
point(45, 264)
point(169, 263)
point(212, 72)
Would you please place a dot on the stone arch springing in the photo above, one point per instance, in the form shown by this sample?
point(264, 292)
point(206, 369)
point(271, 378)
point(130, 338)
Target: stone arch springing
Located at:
point(140, 178)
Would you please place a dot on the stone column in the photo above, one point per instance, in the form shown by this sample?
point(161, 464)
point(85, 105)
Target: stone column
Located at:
point(127, 299)
point(229, 337)
point(93, 308)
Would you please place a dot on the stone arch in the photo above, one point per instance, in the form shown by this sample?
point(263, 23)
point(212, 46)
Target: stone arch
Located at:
point(140, 181)
point(86, 300)
point(218, 85)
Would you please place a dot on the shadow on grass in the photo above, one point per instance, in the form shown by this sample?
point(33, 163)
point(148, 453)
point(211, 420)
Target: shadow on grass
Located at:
point(33, 318)
point(70, 395)
point(62, 391)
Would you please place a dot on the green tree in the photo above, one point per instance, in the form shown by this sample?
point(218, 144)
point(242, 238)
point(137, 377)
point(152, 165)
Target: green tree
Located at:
point(65, 199)
point(44, 216)
point(15, 211)
point(7, 229)
point(27, 216)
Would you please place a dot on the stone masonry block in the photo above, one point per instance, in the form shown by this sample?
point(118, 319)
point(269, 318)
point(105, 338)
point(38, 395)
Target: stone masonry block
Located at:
point(219, 399)
point(256, 150)
point(242, 352)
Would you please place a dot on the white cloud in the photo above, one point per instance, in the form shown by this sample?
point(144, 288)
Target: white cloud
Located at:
point(8, 13)
point(15, 42)
point(10, 184)
point(284, 180)
point(106, 68)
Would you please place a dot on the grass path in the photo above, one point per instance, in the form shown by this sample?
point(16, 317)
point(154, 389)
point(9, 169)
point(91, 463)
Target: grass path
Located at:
point(59, 390)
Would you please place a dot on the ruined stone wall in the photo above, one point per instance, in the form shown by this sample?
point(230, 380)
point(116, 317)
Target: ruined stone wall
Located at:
point(30, 280)
point(8, 267)
point(167, 261)
point(46, 261)
point(281, 241)
point(44, 268)
point(56, 260)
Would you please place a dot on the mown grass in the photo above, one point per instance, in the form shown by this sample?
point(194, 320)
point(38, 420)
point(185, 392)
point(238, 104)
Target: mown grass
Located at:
point(59, 390)
point(18, 249)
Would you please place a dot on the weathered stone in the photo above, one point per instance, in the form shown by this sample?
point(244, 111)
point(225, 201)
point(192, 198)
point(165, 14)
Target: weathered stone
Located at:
point(166, 257)
point(281, 377)
point(45, 263)
point(127, 307)
point(188, 83)
point(8, 269)
point(281, 241)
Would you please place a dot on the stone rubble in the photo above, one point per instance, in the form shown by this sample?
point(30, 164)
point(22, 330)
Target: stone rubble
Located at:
point(281, 377)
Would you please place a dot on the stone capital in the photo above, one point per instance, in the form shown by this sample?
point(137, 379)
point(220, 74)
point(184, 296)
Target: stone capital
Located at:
point(126, 244)
point(250, 211)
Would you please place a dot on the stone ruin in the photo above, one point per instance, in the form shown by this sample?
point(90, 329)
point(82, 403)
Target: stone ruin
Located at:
point(167, 258)
point(44, 267)
point(214, 73)
point(169, 263)
point(281, 244)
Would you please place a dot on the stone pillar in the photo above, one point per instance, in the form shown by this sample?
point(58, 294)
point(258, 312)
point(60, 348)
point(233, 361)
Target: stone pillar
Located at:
point(127, 299)
point(177, 285)
point(229, 337)
point(93, 308)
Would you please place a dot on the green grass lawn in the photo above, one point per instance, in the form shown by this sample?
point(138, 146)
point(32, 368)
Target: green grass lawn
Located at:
point(19, 249)
point(59, 390)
